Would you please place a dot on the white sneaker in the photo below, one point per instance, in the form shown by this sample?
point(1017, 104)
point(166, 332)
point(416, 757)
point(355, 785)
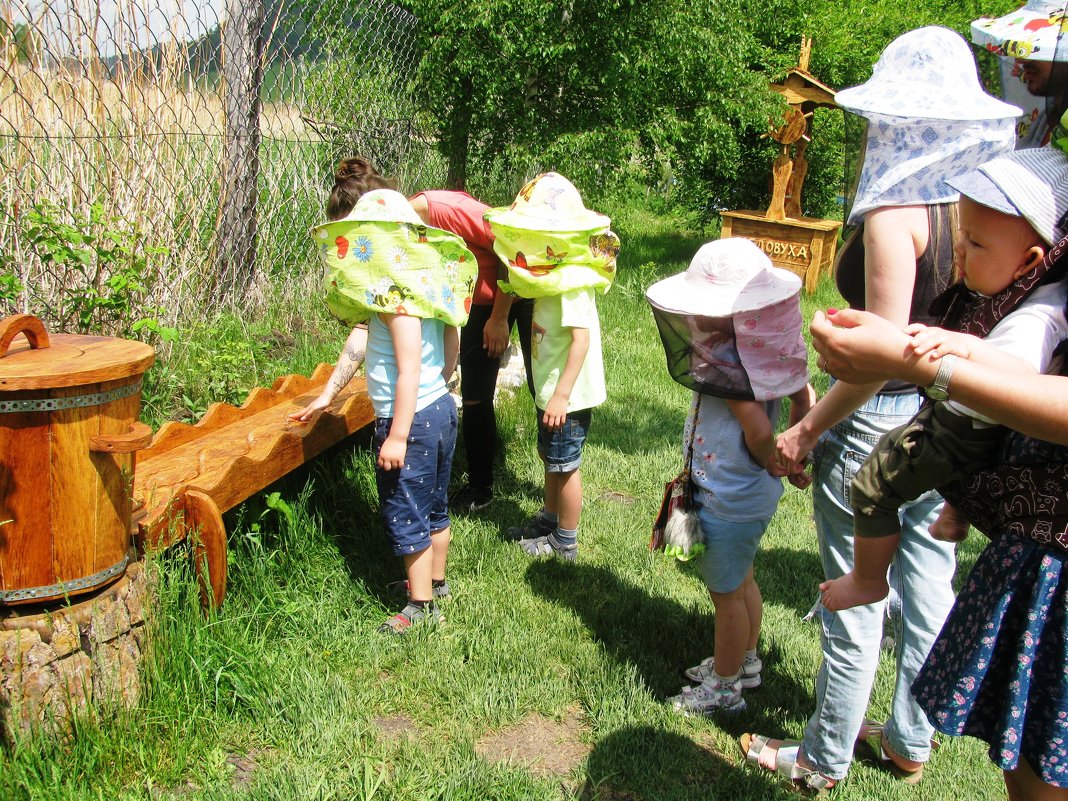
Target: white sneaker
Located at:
point(751, 667)
point(709, 697)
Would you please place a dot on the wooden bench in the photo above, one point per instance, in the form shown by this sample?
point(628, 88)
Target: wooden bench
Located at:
point(191, 474)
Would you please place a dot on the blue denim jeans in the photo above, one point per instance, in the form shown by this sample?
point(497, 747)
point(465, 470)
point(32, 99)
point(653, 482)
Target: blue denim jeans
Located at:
point(922, 575)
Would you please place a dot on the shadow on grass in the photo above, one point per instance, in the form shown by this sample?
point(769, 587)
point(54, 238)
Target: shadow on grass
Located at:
point(637, 422)
point(788, 577)
point(643, 762)
point(659, 637)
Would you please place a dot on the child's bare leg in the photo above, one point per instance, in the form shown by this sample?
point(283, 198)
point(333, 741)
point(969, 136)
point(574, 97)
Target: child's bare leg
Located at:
point(569, 498)
point(439, 548)
point(950, 526)
point(733, 627)
point(754, 605)
point(420, 569)
point(552, 493)
point(866, 582)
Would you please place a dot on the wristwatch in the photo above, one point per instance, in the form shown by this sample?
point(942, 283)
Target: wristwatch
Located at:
point(939, 389)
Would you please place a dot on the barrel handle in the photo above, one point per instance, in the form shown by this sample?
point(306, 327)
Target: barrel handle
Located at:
point(139, 436)
point(11, 327)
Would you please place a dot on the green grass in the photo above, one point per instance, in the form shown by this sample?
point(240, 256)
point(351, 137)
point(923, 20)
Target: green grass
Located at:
point(276, 695)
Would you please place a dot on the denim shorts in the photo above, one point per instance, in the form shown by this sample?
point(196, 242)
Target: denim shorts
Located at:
point(415, 499)
point(730, 549)
point(561, 450)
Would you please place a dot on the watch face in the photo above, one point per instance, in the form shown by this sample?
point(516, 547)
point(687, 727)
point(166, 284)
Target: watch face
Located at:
point(937, 393)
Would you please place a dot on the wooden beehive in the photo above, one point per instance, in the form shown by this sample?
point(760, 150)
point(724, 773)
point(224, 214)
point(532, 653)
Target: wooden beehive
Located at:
point(68, 434)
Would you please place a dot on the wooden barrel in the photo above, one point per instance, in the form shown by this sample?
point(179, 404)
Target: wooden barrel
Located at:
point(69, 407)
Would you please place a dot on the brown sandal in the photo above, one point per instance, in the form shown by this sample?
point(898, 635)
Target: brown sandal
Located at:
point(870, 745)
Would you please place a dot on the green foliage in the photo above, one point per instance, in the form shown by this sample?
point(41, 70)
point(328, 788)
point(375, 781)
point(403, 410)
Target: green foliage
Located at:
point(101, 264)
point(673, 95)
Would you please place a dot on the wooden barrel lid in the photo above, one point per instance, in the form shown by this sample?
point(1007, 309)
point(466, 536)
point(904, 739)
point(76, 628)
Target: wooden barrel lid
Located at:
point(30, 358)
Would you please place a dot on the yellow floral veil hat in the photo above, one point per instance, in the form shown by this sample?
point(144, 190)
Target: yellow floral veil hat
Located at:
point(383, 258)
point(551, 242)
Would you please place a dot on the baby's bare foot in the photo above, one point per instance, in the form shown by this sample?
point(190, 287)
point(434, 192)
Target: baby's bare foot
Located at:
point(849, 591)
point(950, 526)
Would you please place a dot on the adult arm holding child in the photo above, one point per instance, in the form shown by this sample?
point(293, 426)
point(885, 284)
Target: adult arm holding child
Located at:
point(894, 237)
point(858, 346)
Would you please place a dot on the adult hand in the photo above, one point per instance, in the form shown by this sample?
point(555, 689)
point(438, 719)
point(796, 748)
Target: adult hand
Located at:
point(305, 414)
point(860, 348)
point(495, 337)
point(793, 447)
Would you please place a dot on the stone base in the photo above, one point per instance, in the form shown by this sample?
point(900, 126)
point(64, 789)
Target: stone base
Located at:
point(59, 662)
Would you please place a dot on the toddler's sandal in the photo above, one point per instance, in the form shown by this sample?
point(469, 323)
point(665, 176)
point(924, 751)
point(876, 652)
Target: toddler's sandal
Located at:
point(763, 751)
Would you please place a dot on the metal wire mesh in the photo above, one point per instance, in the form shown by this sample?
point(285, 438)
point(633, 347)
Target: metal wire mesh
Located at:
point(164, 154)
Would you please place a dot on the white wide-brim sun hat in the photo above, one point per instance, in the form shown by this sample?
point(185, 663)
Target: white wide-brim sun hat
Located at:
point(1031, 183)
point(927, 73)
point(725, 277)
point(1031, 32)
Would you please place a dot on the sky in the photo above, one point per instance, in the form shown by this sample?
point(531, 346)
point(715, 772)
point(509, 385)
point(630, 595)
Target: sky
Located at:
point(69, 26)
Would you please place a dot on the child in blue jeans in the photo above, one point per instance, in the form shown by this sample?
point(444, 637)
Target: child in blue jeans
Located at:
point(561, 254)
point(407, 361)
point(731, 326)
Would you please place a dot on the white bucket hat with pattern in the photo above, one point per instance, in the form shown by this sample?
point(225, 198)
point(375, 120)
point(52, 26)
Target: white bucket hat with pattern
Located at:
point(928, 73)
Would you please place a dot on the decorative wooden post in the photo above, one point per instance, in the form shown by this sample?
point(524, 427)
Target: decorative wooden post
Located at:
point(804, 245)
point(236, 232)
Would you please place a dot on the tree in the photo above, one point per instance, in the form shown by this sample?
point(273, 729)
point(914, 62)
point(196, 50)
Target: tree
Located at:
point(670, 76)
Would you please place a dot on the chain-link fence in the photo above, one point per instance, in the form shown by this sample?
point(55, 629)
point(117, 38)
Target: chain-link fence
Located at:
point(165, 154)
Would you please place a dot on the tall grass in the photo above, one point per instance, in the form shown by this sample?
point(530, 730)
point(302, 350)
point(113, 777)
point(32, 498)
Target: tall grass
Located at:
point(287, 692)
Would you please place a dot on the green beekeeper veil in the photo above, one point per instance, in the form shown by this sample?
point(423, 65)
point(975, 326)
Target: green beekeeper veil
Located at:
point(383, 258)
point(551, 242)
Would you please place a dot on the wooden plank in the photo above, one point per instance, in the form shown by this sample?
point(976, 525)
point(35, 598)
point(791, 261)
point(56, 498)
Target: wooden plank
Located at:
point(116, 472)
point(205, 525)
point(77, 486)
point(25, 501)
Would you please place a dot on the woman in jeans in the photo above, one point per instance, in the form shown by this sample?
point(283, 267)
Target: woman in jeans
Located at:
point(928, 120)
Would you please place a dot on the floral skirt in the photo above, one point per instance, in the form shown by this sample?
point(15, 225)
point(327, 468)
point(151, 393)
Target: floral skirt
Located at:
point(999, 669)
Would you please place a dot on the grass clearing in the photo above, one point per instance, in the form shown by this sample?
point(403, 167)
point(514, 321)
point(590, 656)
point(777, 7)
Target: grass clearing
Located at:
point(288, 692)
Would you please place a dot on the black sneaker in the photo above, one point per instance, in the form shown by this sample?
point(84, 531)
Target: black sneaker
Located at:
point(471, 499)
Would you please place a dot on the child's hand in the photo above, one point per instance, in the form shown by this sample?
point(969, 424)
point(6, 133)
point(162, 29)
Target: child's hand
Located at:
point(800, 478)
point(555, 413)
point(305, 414)
point(937, 342)
point(391, 457)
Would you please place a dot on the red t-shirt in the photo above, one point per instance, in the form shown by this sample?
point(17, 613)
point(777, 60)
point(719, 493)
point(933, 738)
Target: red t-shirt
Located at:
point(461, 214)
